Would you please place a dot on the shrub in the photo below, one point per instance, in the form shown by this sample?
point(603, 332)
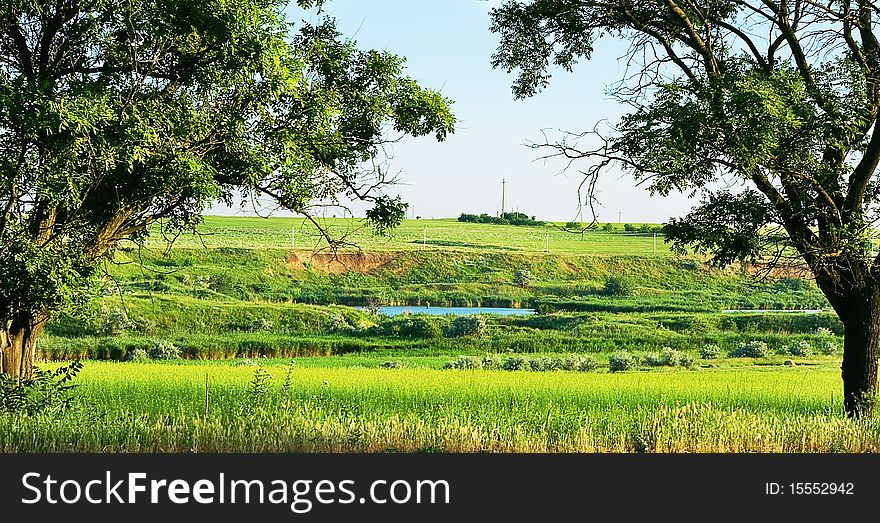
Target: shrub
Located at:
point(522, 278)
point(258, 390)
point(685, 359)
point(514, 363)
point(622, 361)
point(44, 392)
point(165, 351)
point(578, 363)
point(261, 325)
point(115, 322)
point(391, 364)
point(824, 331)
point(800, 348)
point(463, 326)
point(491, 362)
point(618, 286)
point(751, 349)
point(137, 354)
point(652, 359)
point(668, 358)
point(827, 347)
point(543, 364)
point(608, 227)
point(410, 326)
point(336, 323)
point(468, 363)
point(710, 351)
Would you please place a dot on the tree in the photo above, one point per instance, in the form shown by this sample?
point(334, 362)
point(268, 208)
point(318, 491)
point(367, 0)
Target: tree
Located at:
point(778, 98)
point(117, 115)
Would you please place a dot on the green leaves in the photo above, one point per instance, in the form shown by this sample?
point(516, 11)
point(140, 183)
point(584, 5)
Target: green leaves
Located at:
point(725, 226)
point(115, 115)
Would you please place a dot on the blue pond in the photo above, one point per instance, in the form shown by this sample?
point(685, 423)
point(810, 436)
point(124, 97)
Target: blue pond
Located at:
point(453, 311)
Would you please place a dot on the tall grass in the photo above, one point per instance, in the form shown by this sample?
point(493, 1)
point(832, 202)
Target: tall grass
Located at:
point(160, 407)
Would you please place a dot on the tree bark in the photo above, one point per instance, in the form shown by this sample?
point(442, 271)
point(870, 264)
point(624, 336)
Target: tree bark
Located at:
point(861, 321)
point(18, 346)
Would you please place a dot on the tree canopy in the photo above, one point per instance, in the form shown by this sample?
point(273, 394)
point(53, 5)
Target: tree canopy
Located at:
point(767, 107)
point(116, 115)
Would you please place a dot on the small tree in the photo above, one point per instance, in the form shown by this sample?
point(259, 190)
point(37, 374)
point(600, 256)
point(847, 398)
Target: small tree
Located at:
point(522, 278)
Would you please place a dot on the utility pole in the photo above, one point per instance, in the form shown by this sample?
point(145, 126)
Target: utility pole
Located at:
point(547, 243)
point(619, 216)
point(503, 190)
point(655, 244)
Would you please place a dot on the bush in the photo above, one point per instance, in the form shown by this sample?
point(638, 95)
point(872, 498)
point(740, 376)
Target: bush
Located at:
point(668, 358)
point(800, 348)
point(463, 326)
point(137, 354)
point(165, 351)
point(827, 347)
point(618, 286)
point(44, 392)
point(391, 365)
point(261, 325)
point(710, 351)
point(468, 363)
point(522, 278)
point(824, 331)
point(410, 326)
point(622, 361)
point(608, 227)
point(514, 363)
point(491, 362)
point(508, 218)
point(751, 349)
point(578, 363)
point(543, 364)
point(115, 322)
point(336, 323)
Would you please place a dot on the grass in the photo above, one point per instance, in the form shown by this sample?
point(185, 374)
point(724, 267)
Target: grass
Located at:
point(161, 407)
point(237, 293)
point(442, 235)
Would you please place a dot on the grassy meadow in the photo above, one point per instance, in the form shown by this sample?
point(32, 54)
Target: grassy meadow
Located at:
point(230, 341)
point(156, 407)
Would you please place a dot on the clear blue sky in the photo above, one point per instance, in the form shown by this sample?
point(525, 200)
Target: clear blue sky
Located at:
point(448, 47)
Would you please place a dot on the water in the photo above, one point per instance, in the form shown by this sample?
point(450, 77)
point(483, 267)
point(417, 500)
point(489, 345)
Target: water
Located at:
point(453, 311)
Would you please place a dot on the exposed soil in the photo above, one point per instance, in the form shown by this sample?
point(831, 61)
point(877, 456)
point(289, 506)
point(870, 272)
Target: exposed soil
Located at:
point(341, 262)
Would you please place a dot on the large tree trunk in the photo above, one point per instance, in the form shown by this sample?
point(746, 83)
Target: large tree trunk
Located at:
point(18, 345)
point(861, 321)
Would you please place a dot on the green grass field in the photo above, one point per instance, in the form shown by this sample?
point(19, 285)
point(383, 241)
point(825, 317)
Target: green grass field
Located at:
point(235, 302)
point(129, 407)
point(430, 235)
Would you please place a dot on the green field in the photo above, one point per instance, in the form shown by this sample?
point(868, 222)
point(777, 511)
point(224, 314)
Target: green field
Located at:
point(430, 235)
point(162, 407)
point(243, 304)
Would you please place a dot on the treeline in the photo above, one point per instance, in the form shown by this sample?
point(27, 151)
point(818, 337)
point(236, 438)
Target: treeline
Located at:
point(508, 218)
